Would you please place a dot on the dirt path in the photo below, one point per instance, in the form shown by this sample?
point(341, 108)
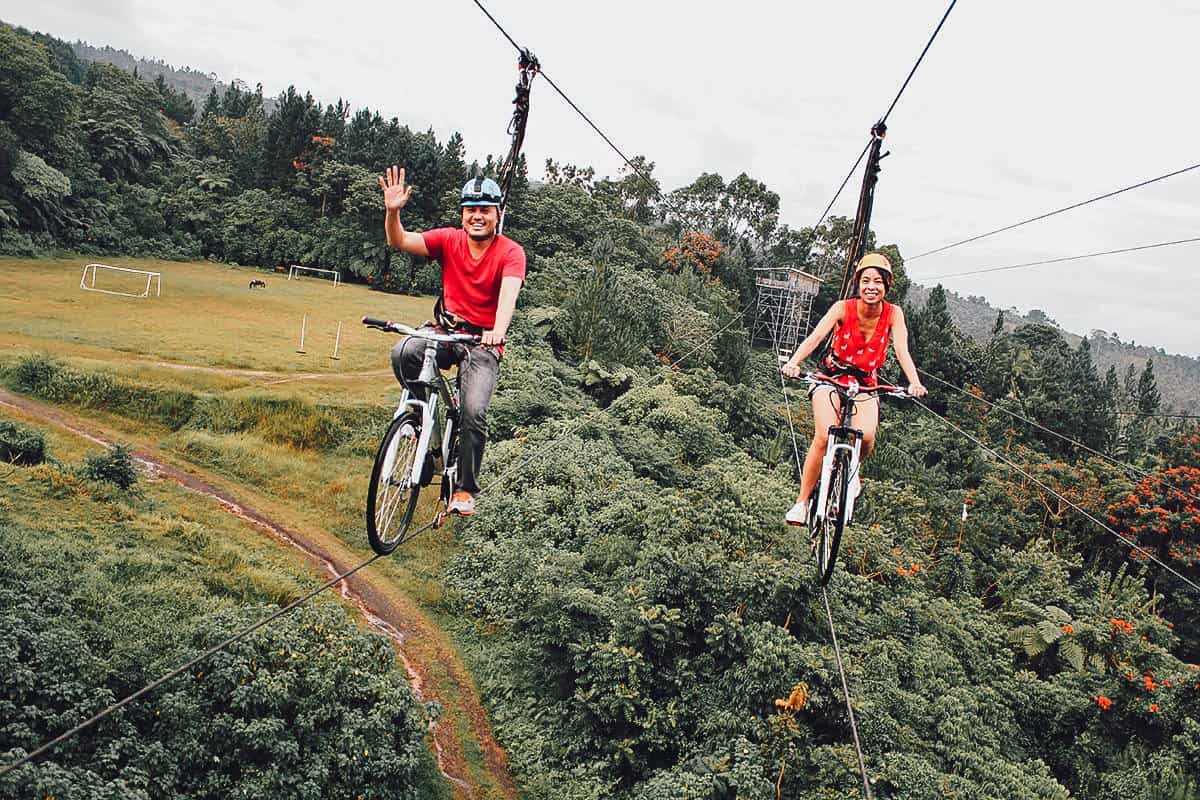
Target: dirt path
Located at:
point(427, 655)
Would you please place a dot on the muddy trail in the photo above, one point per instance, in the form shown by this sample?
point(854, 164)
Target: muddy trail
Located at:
point(422, 648)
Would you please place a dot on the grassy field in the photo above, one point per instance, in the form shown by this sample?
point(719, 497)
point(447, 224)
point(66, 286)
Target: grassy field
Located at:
point(224, 359)
point(205, 317)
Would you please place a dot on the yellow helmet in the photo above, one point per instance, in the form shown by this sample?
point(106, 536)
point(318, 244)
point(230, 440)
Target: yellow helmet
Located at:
point(877, 260)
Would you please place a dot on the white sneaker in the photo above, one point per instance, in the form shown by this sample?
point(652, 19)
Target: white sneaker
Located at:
point(461, 503)
point(797, 514)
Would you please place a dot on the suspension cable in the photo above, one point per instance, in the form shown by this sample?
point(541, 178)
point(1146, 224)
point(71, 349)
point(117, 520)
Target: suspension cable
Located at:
point(1055, 212)
point(1130, 468)
point(1080, 509)
point(837, 653)
point(920, 58)
point(223, 645)
point(925, 279)
point(628, 162)
point(1156, 416)
point(845, 180)
point(837, 650)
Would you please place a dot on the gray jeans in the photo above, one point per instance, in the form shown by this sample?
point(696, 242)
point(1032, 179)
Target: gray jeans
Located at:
point(478, 368)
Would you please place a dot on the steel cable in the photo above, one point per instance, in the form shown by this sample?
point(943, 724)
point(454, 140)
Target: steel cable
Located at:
point(1078, 508)
point(925, 279)
point(226, 643)
point(1055, 212)
point(1115, 462)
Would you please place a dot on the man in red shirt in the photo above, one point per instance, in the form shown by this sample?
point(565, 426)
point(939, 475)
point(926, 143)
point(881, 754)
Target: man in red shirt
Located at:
point(482, 274)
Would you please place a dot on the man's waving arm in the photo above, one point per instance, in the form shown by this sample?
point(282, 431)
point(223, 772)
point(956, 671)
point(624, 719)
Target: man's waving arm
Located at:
point(395, 196)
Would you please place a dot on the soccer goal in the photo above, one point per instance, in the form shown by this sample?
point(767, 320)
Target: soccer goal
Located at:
point(295, 271)
point(87, 281)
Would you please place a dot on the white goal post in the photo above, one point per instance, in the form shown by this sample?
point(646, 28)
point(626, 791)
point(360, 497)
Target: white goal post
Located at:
point(295, 270)
point(87, 281)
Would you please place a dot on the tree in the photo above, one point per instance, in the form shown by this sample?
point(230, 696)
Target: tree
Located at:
point(1147, 397)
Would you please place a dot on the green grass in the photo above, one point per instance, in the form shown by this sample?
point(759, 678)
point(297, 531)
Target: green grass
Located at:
point(303, 445)
point(150, 564)
point(206, 317)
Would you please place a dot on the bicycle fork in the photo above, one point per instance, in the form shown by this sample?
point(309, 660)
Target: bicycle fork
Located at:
point(831, 452)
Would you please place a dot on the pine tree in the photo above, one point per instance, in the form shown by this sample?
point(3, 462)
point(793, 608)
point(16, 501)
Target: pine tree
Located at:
point(1147, 397)
point(212, 104)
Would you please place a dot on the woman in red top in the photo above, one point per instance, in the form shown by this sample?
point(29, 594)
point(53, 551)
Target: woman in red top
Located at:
point(861, 327)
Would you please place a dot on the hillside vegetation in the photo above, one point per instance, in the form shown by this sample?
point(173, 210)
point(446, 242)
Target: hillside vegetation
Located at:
point(1178, 376)
point(641, 623)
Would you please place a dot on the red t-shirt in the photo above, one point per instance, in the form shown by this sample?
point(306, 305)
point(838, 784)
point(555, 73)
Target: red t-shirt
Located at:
point(471, 287)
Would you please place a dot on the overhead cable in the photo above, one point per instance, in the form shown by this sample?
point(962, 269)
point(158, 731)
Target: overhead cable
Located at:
point(223, 645)
point(1056, 211)
point(920, 58)
point(837, 650)
point(628, 162)
point(1062, 498)
point(1130, 468)
point(926, 279)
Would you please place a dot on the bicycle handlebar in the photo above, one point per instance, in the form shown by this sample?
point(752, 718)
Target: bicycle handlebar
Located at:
point(420, 333)
point(817, 379)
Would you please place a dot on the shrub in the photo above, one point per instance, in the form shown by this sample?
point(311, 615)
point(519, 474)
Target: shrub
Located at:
point(20, 445)
point(114, 466)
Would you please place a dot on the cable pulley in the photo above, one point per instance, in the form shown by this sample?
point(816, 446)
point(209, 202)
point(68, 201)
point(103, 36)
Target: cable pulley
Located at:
point(527, 69)
point(866, 202)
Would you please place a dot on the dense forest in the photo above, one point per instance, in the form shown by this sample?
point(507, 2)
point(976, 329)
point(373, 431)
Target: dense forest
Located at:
point(641, 622)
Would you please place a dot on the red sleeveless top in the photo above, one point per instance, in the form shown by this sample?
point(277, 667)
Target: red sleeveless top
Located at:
point(851, 349)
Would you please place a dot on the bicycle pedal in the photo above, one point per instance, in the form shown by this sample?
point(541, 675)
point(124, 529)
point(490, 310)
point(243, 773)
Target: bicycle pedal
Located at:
point(439, 519)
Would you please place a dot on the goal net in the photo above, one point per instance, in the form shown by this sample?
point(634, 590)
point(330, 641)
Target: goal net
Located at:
point(295, 271)
point(121, 281)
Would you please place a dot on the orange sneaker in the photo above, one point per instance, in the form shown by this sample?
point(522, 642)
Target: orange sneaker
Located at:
point(461, 503)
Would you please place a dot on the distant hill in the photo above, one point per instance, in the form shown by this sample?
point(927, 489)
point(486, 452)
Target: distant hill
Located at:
point(1178, 376)
point(192, 82)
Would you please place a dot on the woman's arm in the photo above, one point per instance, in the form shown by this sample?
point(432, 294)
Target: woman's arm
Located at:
point(900, 342)
point(833, 316)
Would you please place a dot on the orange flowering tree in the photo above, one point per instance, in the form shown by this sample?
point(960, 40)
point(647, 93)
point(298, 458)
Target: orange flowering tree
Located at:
point(699, 251)
point(1162, 514)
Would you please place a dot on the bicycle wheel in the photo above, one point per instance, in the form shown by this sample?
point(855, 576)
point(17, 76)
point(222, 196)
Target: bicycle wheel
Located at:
point(391, 497)
point(829, 530)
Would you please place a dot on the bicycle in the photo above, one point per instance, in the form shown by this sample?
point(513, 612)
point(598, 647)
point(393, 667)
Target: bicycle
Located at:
point(831, 508)
point(404, 463)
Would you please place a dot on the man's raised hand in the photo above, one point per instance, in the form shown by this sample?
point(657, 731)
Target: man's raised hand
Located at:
point(395, 191)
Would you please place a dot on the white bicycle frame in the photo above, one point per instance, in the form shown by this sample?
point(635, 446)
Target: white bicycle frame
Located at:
point(831, 451)
point(430, 376)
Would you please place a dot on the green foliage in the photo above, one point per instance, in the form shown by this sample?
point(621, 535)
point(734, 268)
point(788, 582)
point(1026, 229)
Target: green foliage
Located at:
point(19, 445)
point(115, 466)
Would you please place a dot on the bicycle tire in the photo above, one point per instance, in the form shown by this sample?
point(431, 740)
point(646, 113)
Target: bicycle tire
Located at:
point(829, 533)
point(390, 508)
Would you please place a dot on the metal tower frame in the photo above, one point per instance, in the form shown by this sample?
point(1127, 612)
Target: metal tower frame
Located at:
point(783, 306)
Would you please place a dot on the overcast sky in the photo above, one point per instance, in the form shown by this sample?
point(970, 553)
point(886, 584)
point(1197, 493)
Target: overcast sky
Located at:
point(1019, 108)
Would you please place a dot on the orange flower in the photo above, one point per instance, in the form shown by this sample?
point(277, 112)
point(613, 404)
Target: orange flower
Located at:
point(916, 568)
point(1104, 702)
point(1165, 683)
point(1154, 708)
point(902, 572)
point(1121, 625)
point(1148, 680)
point(895, 551)
point(1068, 628)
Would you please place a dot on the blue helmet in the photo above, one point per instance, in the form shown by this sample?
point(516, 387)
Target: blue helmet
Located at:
point(481, 192)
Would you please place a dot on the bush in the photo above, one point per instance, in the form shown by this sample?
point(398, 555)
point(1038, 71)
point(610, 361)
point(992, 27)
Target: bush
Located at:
point(20, 445)
point(114, 466)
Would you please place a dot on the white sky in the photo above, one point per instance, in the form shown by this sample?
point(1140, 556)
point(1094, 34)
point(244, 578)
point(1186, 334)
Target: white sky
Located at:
point(1019, 108)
